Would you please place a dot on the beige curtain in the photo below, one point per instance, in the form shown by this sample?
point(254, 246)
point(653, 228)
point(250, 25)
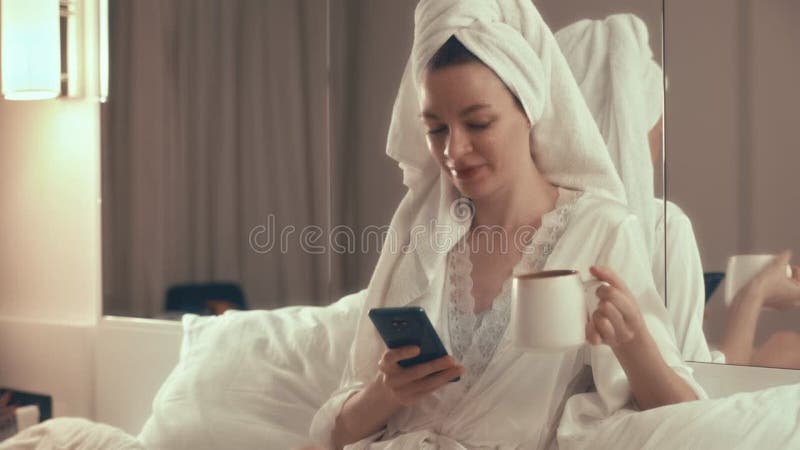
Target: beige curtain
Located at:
point(215, 128)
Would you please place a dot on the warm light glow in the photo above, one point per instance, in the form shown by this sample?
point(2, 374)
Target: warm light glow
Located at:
point(31, 48)
point(103, 13)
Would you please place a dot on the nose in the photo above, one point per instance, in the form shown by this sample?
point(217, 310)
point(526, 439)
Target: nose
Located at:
point(457, 144)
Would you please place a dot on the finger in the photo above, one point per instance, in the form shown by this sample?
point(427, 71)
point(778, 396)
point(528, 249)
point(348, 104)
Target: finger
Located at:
point(606, 330)
point(420, 371)
point(610, 311)
point(604, 292)
point(796, 273)
point(609, 276)
point(388, 363)
point(437, 365)
point(395, 355)
point(621, 301)
point(597, 319)
point(433, 382)
point(592, 336)
point(623, 326)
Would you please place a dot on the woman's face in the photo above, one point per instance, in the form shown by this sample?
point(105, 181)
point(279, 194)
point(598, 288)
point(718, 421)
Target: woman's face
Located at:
point(475, 130)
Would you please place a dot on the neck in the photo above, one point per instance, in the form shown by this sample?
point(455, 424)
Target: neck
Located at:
point(522, 204)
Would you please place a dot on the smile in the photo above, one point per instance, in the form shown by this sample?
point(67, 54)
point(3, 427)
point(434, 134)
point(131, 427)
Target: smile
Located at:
point(466, 173)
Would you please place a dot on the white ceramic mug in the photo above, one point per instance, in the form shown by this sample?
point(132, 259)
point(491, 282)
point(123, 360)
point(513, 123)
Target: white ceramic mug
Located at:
point(549, 310)
point(741, 269)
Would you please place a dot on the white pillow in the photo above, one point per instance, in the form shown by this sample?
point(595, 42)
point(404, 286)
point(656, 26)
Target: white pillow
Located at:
point(252, 379)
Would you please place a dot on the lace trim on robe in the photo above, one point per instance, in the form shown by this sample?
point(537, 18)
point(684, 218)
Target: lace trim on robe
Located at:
point(475, 337)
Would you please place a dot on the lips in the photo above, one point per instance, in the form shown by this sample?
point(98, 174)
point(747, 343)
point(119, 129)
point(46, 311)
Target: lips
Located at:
point(465, 173)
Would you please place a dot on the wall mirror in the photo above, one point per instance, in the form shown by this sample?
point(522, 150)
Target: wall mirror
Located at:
point(731, 152)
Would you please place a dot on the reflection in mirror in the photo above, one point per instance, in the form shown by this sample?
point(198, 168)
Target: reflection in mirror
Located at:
point(731, 156)
point(215, 156)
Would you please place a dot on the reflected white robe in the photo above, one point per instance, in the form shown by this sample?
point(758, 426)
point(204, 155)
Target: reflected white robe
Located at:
point(685, 295)
point(518, 401)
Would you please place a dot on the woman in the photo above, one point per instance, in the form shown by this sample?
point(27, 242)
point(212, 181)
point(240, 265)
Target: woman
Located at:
point(488, 111)
point(614, 56)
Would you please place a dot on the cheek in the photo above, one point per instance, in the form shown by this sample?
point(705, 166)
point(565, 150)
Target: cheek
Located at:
point(436, 150)
point(490, 146)
point(506, 147)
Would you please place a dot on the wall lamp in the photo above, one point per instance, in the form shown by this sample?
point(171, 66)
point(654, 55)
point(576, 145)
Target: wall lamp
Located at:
point(54, 48)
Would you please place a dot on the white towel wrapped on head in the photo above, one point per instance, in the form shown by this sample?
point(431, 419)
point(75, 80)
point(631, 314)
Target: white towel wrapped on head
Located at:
point(623, 87)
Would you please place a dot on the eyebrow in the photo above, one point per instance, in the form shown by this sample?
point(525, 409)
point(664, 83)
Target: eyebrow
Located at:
point(470, 109)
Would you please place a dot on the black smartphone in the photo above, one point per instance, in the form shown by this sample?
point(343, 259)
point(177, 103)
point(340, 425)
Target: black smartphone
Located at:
point(400, 327)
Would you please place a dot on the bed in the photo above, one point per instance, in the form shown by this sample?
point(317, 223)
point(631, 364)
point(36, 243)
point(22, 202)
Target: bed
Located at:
point(254, 380)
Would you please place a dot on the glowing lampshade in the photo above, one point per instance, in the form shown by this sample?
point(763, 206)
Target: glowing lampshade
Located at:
point(31, 49)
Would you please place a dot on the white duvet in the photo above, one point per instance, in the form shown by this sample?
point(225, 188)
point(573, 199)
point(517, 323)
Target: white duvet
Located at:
point(767, 419)
point(253, 380)
point(71, 433)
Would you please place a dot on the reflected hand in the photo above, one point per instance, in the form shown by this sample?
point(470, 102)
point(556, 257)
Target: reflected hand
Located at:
point(407, 385)
point(776, 289)
point(6, 408)
point(617, 320)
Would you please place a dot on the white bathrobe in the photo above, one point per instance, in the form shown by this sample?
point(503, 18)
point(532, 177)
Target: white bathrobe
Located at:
point(679, 258)
point(518, 401)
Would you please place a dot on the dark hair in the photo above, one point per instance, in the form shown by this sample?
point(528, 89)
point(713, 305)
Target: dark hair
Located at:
point(452, 53)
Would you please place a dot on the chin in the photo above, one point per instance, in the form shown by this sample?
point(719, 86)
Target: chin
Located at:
point(473, 189)
point(476, 186)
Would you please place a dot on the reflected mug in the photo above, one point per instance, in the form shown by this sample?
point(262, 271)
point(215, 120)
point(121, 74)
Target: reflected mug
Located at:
point(549, 310)
point(741, 269)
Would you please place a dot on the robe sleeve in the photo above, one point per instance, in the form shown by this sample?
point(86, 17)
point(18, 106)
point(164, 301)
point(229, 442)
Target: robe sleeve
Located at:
point(624, 253)
point(322, 424)
point(686, 293)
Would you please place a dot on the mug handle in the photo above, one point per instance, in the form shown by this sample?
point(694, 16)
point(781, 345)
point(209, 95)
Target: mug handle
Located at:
point(589, 288)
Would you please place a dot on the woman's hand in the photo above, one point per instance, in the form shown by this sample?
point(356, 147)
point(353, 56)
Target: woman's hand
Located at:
point(773, 288)
point(406, 385)
point(367, 411)
point(617, 320)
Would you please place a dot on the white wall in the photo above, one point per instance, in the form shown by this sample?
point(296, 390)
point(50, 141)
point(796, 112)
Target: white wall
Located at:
point(50, 246)
point(49, 250)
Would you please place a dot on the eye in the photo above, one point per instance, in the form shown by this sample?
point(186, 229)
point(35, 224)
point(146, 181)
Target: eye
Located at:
point(478, 126)
point(437, 131)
